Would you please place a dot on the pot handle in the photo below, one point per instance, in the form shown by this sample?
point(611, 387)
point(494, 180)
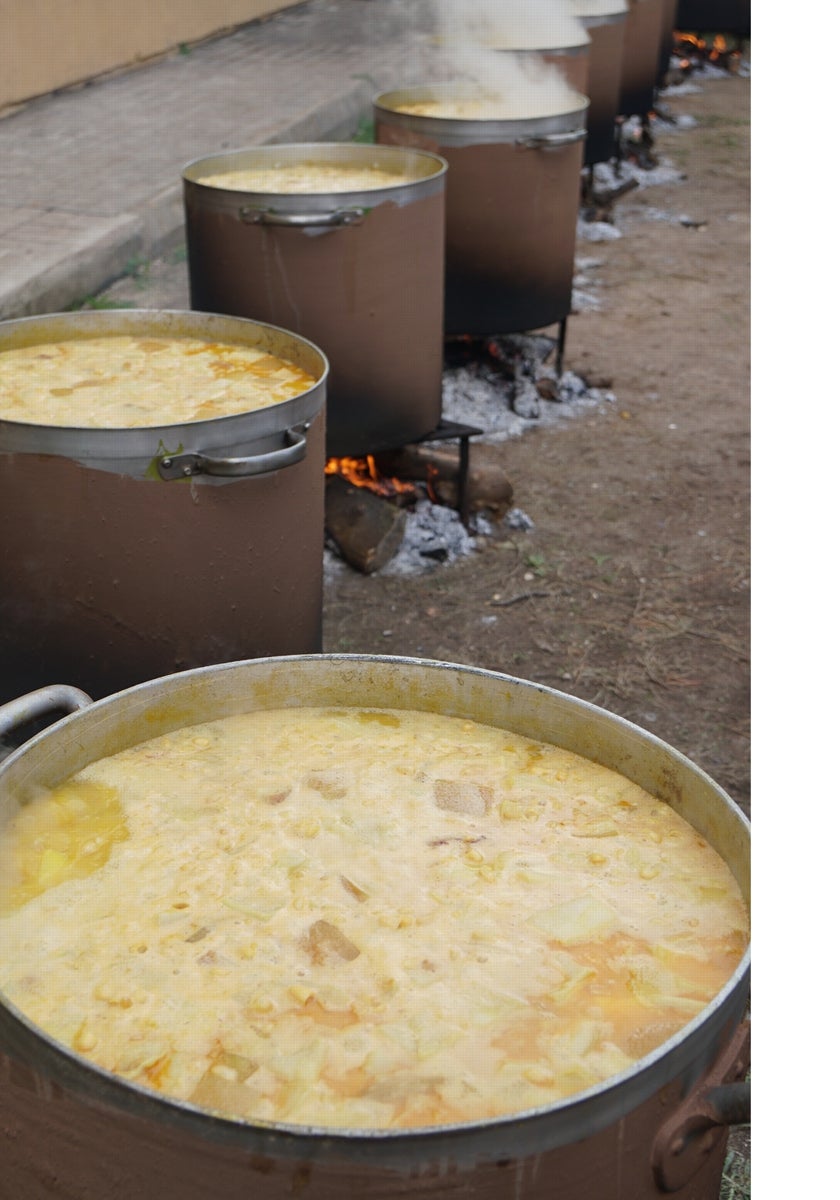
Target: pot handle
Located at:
point(687, 1138)
point(551, 141)
point(36, 704)
point(183, 466)
point(271, 216)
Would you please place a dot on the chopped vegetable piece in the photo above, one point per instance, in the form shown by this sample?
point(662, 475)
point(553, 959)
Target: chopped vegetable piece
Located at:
point(583, 919)
point(353, 888)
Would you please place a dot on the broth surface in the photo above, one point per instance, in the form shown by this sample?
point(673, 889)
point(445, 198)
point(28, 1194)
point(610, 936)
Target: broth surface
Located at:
point(124, 382)
point(489, 107)
point(309, 177)
point(360, 918)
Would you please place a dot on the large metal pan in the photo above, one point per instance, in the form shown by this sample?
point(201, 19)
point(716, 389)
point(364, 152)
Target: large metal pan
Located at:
point(70, 1129)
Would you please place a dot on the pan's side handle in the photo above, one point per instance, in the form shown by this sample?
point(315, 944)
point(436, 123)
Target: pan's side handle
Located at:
point(57, 696)
point(696, 1128)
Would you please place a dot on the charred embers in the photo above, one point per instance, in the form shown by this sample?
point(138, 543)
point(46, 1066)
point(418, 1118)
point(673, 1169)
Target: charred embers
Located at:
point(692, 51)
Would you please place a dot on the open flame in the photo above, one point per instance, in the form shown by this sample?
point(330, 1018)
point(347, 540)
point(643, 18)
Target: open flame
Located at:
point(718, 47)
point(364, 473)
point(691, 48)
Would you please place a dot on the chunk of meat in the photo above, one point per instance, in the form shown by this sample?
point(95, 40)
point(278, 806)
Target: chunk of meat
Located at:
point(326, 942)
point(331, 784)
point(461, 796)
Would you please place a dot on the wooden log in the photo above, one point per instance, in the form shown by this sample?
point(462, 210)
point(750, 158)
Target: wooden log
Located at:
point(367, 529)
point(491, 493)
point(488, 487)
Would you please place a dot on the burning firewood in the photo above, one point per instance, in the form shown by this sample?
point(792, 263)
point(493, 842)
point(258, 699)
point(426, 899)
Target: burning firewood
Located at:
point(366, 528)
point(488, 488)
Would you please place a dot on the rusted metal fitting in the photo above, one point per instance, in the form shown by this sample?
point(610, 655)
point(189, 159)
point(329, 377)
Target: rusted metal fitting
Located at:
point(692, 1133)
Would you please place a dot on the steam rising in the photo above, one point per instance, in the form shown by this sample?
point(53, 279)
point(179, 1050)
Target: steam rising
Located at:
point(477, 38)
point(599, 8)
point(500, 25)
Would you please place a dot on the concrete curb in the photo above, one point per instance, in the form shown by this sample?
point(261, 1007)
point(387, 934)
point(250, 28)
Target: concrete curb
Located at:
point(90, 257)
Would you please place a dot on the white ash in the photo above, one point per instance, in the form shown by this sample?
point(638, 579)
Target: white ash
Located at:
point(476, 394)
point(710, 70)
point(517, 520)
point(680, 89)
point(699, 70)
point(583, 299)
point(645, 177)
point(597, 231)
point(333, 564)
point(434, 534)
point(681, 121)
point(661, 214)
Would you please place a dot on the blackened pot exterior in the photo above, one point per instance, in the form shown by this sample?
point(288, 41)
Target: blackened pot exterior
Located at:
point(666, 43)
point(111, 575)
point(368, 289)
point(513, 193)
point(606, 31)
point(68, 1129)
point(715, 16)
point(640, 57)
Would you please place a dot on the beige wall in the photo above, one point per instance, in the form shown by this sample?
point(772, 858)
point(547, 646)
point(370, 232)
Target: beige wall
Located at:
point(47, 44)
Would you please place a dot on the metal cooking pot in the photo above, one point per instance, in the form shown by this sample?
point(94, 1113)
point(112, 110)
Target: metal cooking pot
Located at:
point(512, 201)
point(130, 553)
point(640, 57)
point(361, 273)
point(604, 21)
point(715, 16)
point(68, 1128)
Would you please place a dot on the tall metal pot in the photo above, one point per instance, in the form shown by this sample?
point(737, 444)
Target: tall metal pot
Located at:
point(715, 16)
point(359, 272)
point(604, 21)
point(70, 1129)
point(131, 553)
point(640, 56)
point(512, 201)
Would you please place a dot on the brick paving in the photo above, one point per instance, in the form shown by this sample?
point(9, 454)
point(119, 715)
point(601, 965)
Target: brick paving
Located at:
point(90, 177)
